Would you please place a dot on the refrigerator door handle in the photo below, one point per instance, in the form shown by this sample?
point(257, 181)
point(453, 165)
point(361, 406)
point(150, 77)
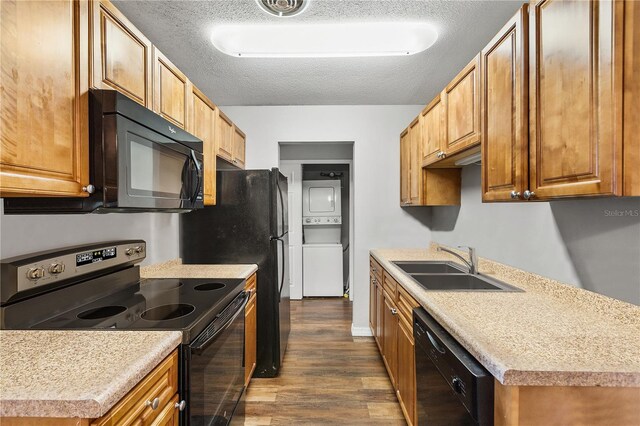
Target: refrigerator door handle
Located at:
point(280, 240)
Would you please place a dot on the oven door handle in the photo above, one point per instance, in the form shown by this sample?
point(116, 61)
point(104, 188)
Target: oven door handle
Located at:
point(200, 347)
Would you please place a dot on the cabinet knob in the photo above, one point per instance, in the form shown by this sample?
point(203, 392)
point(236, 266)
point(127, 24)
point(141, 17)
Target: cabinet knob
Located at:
point(181, 405)
point(528, 194)
point(444, 154)
point(153, 404)
point(515, 195)
point(394, 311)
point(89, 189)
point(439, 154)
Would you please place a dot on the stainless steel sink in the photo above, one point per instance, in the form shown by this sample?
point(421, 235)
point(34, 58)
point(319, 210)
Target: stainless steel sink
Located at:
point(461, 281)
point(429, 267)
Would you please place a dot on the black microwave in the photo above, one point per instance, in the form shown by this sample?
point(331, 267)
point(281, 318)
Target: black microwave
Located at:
point(139, 162)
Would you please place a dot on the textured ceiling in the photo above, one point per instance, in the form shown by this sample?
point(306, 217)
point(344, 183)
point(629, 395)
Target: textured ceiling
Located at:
point(180, 29)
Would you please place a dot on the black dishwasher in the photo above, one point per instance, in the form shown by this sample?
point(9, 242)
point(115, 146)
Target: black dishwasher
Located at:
point(452, 387)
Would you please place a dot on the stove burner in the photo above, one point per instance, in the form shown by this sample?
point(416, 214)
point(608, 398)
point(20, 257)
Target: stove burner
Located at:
point(101, 312)
point(167, 312)
point(209, 286)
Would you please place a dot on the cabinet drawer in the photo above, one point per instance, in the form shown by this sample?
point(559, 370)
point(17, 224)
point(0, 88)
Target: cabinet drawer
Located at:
point(161, 383)
point(406, 303)
point(389, 285)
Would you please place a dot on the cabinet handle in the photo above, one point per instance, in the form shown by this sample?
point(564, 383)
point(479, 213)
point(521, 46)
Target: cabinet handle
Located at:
point(394, 311)
point(439, 154)
point(444, 154)
point(153, 404)
point(515, 195)
point(89, 189)
point(181, 405)
point(528, 194)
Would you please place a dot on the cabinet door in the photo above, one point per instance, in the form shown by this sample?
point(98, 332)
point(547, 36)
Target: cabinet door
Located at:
point(631, 99)
point(224, 138)
point(170, 89)
point(406, 371)
point(201, 124)
point(405, 155)
point(575, 98)
point(505, 112)
point(43, 98)
point(169, 416)
point(239, 146)
point(462, 102)
point(372, 304)
point(120, 54)
point(379, 335)
point(250, 335)
point(390, 336)
point(433, 131)
point(415, 162)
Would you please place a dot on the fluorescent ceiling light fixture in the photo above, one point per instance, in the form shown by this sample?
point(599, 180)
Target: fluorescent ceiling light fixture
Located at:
point(323, 40)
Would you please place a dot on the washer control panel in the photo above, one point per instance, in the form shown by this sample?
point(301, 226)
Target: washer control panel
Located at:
point(322, 220)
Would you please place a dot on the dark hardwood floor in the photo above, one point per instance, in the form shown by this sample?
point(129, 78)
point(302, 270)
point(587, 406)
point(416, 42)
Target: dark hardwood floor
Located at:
point(328, 377)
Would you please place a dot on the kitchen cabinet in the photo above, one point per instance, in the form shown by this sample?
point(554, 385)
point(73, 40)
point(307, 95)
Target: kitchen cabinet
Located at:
point(575, 98)
point(224, 136)
point(170, 90)
point(415, 162)
point(391, 310)
point(462, 109)
point(505, 119)
point(250, 326)
point(557, 70)
point(201, 123)
point(420, 186)
point(405, 155)
point(433, 131)
point(158, 389)
point(120, 55)
point(44, 98)
point(239, 147)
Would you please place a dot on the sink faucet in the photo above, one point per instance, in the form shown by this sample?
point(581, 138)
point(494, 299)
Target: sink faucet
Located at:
point(472, 263)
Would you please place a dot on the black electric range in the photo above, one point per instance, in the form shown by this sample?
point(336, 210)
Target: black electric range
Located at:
point(98, 286)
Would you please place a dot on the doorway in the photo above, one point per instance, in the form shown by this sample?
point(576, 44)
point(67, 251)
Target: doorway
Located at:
point(331, 162)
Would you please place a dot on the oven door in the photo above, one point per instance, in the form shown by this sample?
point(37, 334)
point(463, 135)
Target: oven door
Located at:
point(154, 172)
point(213, 369)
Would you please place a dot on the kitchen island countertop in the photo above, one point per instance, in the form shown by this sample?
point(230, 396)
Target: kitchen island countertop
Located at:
point(551, 334)
point(75, 373)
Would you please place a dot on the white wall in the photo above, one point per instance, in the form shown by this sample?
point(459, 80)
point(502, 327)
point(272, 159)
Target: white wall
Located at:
point(379, 221)
point(580, 242)
point(23, 234)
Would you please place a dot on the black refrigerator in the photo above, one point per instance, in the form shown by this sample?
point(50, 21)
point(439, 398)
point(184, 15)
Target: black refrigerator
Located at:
point(249, 224)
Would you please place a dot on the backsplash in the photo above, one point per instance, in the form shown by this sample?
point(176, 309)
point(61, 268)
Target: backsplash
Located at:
point(588, 243)
point(22, 234)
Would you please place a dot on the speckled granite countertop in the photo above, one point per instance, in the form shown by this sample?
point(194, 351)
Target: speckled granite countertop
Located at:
point(551, 334)
point(175, 269)
point(75, 373)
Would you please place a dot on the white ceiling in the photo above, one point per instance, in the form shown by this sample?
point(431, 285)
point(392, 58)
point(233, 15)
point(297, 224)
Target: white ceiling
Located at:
point(180, 29)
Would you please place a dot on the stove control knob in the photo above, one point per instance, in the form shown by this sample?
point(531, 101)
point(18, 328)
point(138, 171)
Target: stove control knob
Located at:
point(56, 268)
point(139, 249)
point(35, 274)
point(129, 251)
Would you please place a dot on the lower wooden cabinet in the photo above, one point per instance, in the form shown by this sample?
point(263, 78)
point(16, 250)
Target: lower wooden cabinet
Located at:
point(391, 319)
point(250, 327)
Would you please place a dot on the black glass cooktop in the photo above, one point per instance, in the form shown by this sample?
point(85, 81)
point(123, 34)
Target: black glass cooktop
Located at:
point(187, 305)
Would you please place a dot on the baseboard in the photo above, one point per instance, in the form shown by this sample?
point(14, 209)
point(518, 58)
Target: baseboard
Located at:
point(360, 331)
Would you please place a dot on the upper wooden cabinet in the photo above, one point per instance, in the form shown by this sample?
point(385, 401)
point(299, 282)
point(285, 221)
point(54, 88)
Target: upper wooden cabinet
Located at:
point(170, 90)
point(44, 98)
point(120, 55)
point(239, 147)
point(405, 155)
point(576, 54)
point(505, 119)
point(415, 162)
point(224, 136)
point(202, 123)
point(433, 131)
point(462, 101)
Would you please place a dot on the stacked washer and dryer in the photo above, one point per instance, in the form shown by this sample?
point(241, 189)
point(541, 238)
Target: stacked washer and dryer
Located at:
point(322, 248)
